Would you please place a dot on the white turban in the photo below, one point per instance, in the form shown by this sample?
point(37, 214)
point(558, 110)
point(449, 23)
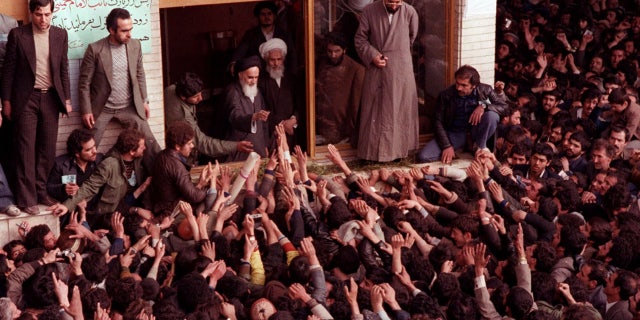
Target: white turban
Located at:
point(274, 43)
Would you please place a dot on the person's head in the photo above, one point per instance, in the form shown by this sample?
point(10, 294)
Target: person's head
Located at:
point(556, 131)
point(392, 5)
point(189, 88)
point(262, 309)
point(40, 236)
point(92, 298)
point(248, 72)
point(621, 285)
point(336, 47)
point(540, 158)
point(8, 309)
point(617, 55)
point(81, 146)
point(180, 137)
point(274, 52)
point(266, 12)
point(597, 65)
point(119, 25)
point(589, 100)
point(572, 240)
point(131, 143)
point(602, 152)
point(578, 144)
point(299, 271)
point(618, 137)
point(550, 100)
point(513, 116)
point(519, 302)
point(610, 83)
point(619, 100)
point(15, 249)
point(592, 273)
point(41, 13)
point(464, 228)
point(520, 154)
point(124, 291)
point(467, 78)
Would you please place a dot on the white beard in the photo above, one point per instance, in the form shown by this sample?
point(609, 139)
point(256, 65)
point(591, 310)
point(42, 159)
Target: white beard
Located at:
point(250, 91)
point(276, 73)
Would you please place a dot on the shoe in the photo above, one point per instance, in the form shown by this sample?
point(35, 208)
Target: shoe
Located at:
point(32, 210)
point(47, 201)
point(12, 211)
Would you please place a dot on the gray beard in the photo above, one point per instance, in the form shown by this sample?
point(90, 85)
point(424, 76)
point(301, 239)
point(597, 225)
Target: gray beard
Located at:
point(250, 91)
point(276, 74)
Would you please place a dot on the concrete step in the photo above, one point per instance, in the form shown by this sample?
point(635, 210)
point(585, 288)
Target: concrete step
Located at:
point(9, 225)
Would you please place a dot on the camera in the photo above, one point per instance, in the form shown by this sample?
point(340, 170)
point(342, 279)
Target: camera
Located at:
point(67, 253)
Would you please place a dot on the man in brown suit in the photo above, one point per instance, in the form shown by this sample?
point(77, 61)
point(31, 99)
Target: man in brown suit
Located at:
point(35, 88)
point(112, 82)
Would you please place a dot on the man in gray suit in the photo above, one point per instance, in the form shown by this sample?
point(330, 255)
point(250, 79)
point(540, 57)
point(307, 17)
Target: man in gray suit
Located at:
point(112, 81)
point(35, 89)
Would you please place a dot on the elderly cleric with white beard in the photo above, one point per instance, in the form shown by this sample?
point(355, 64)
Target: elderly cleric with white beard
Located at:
point(279, 88)
point(246, 110)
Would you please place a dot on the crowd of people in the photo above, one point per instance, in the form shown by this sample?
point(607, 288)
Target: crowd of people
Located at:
point(542, 224)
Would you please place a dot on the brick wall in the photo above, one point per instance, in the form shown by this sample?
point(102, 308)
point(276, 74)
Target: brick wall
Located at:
point(153, 69)
point(476, 35)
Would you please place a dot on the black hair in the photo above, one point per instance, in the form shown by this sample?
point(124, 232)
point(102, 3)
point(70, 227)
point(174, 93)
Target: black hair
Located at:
point(468, 72)
point(39, 290)
point(90, 300)
point(616, 198)
point(76, 139)
point(598, 271)
point(463, 307)
point(192, 290)
point(582, 138)
point(128, 140)
point(627, 282)
point(124, 292)
point(94, 267)
point(543, 149)
point(299, 270)
point(179, 134)
point(519, 302)
point(233, 287)
point(445, 287)
point(35, 236)
point(265, 5)
point(543, 286)
point(466, 223)
point(600, 231)
point(35, 4)
point(572, 240)
point(189, 85)
point(114, 15)
point(545, 255)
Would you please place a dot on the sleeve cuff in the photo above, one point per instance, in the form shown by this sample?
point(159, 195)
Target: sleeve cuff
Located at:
point(480, 283)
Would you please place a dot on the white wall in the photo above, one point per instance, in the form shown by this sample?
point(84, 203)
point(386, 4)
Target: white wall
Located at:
point(476, 33)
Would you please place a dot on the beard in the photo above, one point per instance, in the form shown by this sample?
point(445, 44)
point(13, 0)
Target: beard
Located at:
point(276, 73)
point(336, 62)
point(250, 91)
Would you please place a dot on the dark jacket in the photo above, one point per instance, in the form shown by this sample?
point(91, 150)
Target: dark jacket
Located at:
point(172, 183)
point(20, 67)
point(109, 178)
point(445, 109)
point(66, 165)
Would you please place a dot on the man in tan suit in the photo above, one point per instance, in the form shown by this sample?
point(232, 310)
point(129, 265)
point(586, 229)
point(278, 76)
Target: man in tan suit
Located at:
point(112, 82)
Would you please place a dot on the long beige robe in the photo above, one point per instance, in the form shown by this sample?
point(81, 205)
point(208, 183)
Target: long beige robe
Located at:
point(389, 108)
